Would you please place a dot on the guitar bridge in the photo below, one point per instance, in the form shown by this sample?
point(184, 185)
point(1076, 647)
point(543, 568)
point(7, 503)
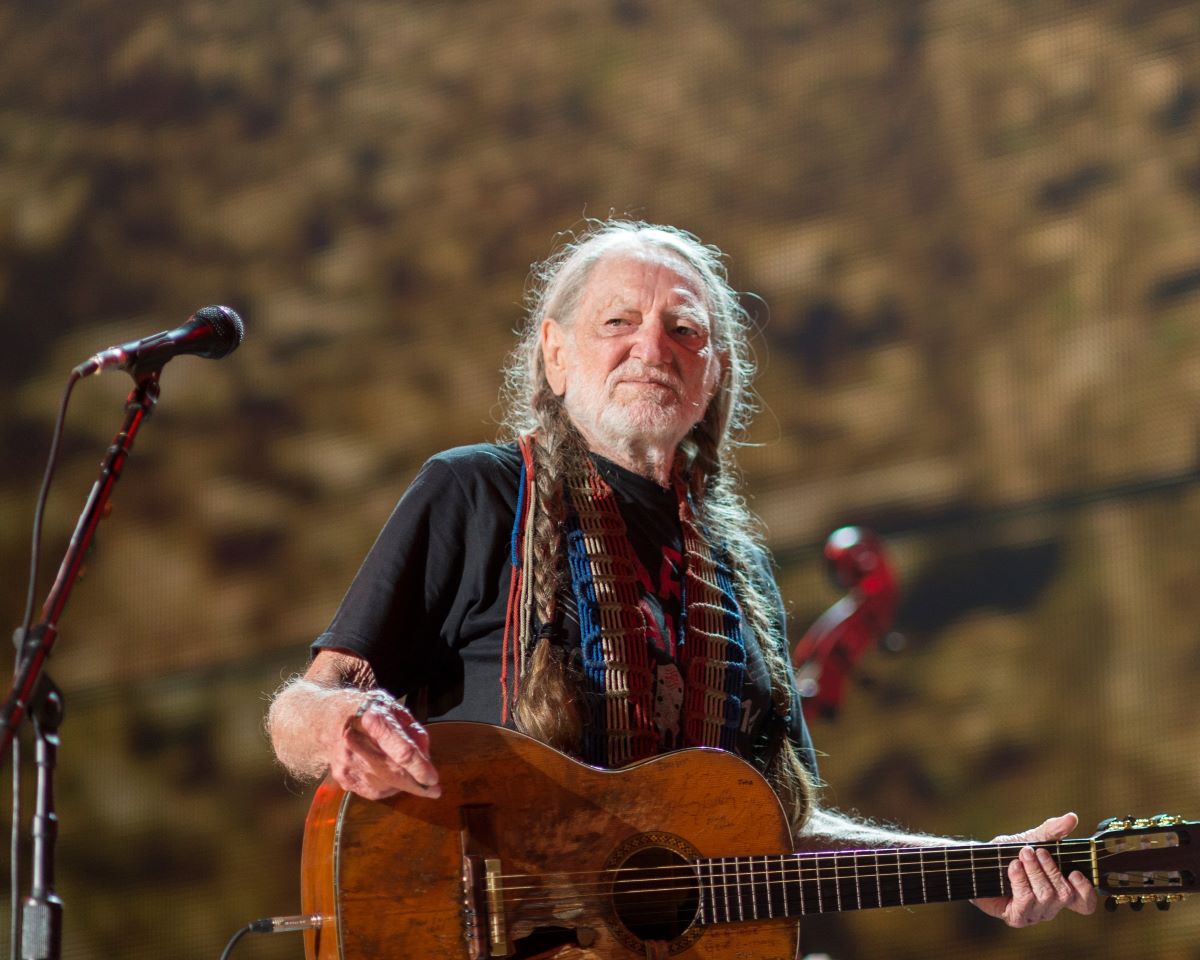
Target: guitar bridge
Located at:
point(485, 926)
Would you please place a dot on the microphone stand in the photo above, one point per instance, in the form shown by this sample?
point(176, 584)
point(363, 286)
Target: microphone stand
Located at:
point(34, 693)
point(41, 913)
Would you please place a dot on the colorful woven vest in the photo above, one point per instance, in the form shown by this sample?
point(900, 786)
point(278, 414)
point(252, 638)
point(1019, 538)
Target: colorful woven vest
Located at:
point(615, 635)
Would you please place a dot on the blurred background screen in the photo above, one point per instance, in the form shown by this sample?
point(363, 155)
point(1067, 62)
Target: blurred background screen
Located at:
point(968, 230)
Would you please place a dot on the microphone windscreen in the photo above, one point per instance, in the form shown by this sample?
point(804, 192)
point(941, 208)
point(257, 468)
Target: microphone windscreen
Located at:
point(226, 325)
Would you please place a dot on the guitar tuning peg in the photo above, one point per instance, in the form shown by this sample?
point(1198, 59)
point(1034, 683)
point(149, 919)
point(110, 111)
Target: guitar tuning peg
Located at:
point(1136, 905)
point(1110, 904)
point(1163, 904)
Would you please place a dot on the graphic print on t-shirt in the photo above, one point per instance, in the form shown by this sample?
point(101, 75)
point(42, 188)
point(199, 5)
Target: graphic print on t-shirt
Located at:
point(660, 606)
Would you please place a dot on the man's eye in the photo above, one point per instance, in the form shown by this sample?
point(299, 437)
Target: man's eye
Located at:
point(615, 321)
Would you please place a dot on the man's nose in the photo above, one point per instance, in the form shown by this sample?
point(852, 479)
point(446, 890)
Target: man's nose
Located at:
point(653, 345)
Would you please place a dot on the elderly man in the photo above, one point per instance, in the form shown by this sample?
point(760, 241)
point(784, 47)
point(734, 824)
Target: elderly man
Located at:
point(597, 582)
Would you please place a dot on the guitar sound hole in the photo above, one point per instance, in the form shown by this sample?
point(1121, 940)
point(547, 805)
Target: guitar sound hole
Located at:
point(545, 941)
point(655, 894)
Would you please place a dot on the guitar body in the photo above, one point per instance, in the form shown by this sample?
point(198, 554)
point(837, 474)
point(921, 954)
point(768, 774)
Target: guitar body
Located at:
point(388, 876)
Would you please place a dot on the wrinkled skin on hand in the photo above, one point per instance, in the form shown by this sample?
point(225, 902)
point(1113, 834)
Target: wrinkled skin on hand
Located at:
point(383, 751)
point(1039, 890)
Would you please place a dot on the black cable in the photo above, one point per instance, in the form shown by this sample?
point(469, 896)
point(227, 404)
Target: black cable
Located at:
point(274, 925)
point(35, 553)
point(40, 509)
point(248, 928)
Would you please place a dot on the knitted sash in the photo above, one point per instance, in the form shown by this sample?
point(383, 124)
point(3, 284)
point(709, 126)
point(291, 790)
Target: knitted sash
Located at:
point(615, 634)
point(613, 631)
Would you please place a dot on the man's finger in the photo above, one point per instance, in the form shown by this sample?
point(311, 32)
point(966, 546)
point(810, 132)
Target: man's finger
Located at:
point(362, 767)
point(420, 736)
point(1055, 828)
point(1086, 902)
point(1039, 883)
point(1022, 895)
point(396, 743)
point(1064, 893)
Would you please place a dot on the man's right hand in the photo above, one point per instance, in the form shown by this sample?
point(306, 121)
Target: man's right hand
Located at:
point(383, 751)
point(335, 719)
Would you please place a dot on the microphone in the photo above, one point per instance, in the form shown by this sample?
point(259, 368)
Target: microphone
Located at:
point(210, 332)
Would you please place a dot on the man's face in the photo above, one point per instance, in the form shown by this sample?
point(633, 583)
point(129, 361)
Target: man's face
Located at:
point(635, 365)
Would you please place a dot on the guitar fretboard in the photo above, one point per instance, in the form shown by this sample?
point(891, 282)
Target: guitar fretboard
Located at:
point(734, 889)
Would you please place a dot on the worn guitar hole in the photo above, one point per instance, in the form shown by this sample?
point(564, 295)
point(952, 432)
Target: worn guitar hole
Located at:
point(655, 894)
point(544, 941)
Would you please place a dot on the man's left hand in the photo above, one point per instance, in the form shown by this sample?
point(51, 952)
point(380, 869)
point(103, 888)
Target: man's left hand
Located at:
point(1039, 890)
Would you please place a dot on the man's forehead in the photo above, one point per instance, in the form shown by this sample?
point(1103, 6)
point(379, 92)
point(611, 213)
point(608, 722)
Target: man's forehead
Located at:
point(623, 275)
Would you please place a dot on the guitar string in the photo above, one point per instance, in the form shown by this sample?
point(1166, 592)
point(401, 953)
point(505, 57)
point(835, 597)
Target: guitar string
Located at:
point(951, 856)
point(727, 880)
point(731, 881)
point(719, 883)
point(749, 892)
point(689, 880)
point(665, 908)
point(548, 905)
point(745, 901)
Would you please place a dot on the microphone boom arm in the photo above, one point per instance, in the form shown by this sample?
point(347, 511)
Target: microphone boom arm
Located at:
point(37, 646)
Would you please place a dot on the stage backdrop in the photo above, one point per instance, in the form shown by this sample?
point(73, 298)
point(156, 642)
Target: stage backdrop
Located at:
point(971, 231)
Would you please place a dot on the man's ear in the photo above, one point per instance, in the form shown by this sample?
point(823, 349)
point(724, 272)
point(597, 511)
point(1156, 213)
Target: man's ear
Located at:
point(553, 341)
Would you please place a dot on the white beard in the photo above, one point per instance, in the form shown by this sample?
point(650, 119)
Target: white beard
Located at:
point(639, 432)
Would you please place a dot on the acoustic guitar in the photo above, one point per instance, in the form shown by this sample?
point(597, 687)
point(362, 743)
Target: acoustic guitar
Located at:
point(530, 854)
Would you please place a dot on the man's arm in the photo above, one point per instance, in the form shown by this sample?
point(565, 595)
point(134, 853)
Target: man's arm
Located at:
point(335, 719)
point(828, 829)
point(1040, 890)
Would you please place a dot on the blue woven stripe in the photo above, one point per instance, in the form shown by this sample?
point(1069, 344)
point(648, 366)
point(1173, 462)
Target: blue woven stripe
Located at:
point(735, 652)
point(516, 530)
point(595, 740)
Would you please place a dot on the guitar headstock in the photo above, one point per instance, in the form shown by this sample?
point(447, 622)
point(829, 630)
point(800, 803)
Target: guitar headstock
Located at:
point(1141, 860)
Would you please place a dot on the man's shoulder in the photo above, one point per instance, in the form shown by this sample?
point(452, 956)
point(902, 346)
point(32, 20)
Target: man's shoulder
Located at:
point(487, 459)
point(479, 469)
point(466, 483)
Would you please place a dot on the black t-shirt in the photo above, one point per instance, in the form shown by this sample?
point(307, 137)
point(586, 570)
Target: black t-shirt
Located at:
point(427, 607)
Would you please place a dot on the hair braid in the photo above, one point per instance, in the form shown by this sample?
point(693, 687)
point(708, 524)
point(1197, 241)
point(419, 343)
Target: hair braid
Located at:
point(729, 522)
point(548, 704)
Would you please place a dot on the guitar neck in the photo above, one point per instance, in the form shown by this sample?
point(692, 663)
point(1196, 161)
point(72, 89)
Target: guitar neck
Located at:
point(734, 889)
